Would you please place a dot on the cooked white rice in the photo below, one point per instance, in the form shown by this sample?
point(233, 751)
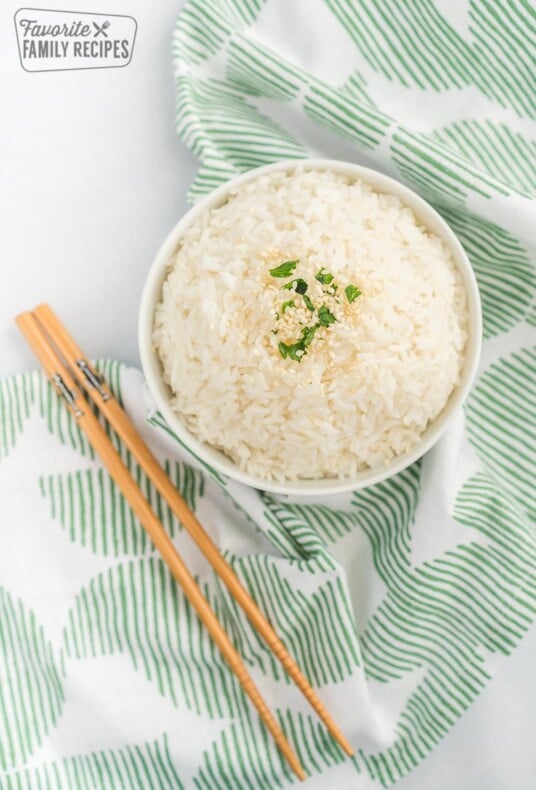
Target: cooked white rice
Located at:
point(369, 384)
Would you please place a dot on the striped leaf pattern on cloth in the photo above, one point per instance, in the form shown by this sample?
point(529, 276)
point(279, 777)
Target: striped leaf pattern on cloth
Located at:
point(414, 45)
point(398, 601)
point(31, 692)
point(138, 766)
point(497, 424)
point(504, 270)
point(89, 505)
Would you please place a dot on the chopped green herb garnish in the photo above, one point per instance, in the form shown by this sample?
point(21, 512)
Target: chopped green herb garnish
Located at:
point(286, 305)
point(274, 331)
point(299, 348)
point(297, 351)
point(299, 285)
point(309, 305)
point(308, 334)
point(294, 351)
point(284, 269)
point(324, 277)
point(325, 316)
point(352, 292)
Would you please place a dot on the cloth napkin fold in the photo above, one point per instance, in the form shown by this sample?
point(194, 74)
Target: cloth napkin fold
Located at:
point(399, 601)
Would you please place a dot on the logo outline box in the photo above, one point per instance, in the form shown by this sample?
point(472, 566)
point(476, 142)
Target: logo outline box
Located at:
point(77, 13)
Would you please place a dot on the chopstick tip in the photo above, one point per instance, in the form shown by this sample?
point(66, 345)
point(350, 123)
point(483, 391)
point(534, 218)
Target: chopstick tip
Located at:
point(343, 743)
point(300, 773)
point(294, 762)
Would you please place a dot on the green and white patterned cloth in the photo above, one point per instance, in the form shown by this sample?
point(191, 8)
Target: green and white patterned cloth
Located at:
point(398, 601)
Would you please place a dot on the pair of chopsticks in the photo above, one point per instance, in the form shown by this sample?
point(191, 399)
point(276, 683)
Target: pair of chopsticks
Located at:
point(63, 362)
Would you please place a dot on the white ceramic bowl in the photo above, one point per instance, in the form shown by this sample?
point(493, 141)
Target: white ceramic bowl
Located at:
point(161, 393)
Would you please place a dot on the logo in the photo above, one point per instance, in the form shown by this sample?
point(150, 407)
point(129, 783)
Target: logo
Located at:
point(71, 40)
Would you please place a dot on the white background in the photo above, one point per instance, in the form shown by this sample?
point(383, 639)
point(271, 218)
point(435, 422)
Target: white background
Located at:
point(93, 178)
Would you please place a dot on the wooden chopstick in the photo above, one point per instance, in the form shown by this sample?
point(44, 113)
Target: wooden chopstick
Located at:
point(89, 424)
point(121, 423)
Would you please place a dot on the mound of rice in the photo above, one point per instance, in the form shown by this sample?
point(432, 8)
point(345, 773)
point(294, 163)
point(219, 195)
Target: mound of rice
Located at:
point(369, 384)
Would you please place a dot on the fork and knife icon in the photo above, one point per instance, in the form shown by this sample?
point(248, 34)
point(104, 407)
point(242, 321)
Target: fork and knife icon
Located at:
point(101, 29)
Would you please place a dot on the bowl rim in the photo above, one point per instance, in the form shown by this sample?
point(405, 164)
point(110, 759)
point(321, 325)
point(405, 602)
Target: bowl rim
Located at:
point(321, 486)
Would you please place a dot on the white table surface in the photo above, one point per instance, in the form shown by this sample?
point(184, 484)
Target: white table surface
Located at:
point(93, 177)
